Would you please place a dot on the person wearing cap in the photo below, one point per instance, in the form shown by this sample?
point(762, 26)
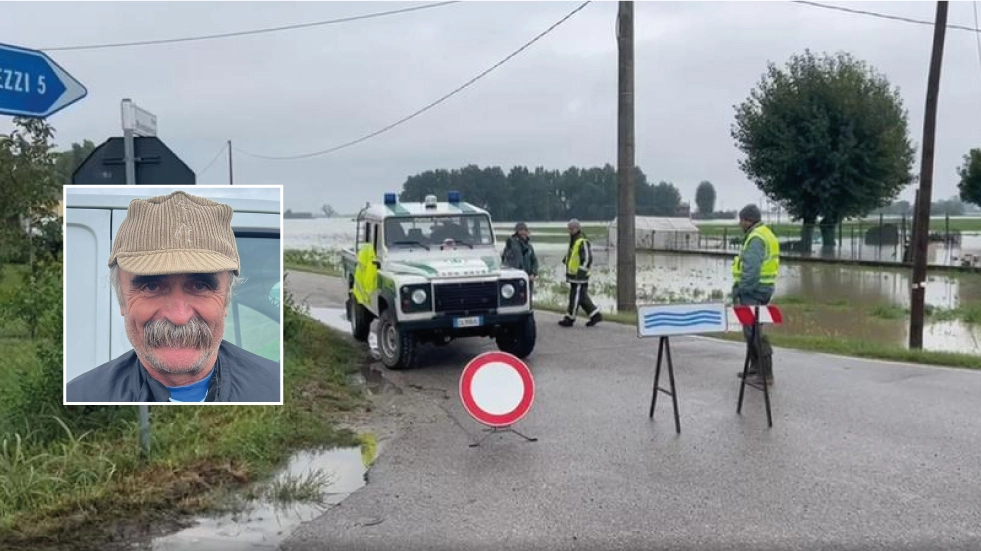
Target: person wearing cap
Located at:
point(755, 270)
point(519, 253)
point(578, 260)
point(173, 265)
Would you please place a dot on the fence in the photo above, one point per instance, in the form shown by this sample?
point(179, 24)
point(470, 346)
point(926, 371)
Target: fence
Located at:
point(884, 241)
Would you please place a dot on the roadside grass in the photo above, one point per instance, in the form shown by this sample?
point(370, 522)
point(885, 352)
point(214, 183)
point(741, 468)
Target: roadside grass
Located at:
point(317, 261)
point(826, 344)
point(76, 488)
point(10, 277)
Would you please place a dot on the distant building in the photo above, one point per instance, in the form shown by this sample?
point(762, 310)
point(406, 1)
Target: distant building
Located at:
point(659, 233)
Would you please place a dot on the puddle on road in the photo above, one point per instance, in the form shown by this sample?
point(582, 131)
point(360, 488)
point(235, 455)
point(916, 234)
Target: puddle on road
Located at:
point(370, 378)
point(321, 479)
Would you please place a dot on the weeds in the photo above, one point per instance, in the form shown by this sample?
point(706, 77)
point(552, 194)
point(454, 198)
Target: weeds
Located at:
point(326, 262)
point(61, 486)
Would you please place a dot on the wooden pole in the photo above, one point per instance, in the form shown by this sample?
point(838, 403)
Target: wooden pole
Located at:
point(921, 226)
point(626, 209)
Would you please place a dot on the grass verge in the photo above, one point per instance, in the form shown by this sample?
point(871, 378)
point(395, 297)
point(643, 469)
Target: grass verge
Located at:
point(318, 261)
point(829, 345)
point(77, 487)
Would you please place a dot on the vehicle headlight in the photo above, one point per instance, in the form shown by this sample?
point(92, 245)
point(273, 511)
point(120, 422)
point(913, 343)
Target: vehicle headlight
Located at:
point(507, 291)
point(418, 296)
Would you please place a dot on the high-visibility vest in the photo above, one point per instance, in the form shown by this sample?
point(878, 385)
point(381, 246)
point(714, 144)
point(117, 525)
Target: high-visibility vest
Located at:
point(365, 274)
point(572, 261)
point(771, 261)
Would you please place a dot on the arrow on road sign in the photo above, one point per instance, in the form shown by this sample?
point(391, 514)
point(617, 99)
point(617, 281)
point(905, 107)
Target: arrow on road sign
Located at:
point(33, 85)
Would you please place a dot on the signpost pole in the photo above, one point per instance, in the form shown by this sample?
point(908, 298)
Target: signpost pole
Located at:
point(129, 150)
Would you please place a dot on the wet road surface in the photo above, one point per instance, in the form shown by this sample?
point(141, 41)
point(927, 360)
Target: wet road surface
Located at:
point(862, 454)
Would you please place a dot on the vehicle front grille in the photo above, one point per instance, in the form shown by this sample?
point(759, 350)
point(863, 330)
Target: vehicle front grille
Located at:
point(461, 297)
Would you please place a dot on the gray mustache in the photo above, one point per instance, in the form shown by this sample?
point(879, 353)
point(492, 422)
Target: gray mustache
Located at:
point(193, 334)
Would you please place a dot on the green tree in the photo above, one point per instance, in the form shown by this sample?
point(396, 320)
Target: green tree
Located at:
point(67, 161)
point(825, 137)
point(705, 198)
point(30, 187)
point(970, 173)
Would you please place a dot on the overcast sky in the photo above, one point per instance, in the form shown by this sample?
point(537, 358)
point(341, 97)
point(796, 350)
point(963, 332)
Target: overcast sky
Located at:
point(554, 104)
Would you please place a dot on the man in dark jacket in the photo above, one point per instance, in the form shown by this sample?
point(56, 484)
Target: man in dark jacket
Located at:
point(519, 253)
point(173, 265)
point(578, 260)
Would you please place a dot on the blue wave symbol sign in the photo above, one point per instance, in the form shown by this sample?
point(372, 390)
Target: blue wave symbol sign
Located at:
point(682, 319)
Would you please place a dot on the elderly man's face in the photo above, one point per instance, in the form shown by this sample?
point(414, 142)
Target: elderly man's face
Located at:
point(175, 322)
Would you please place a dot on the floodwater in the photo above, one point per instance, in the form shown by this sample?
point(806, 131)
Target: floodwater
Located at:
point(266, 522)
point(853, 302)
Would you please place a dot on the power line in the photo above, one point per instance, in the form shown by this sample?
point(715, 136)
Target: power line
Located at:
point(974, 29)
point(217, 156)
point(424, 109)
point(249, 32)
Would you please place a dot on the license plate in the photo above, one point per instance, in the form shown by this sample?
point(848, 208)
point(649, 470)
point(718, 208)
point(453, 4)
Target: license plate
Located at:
point(474, 321)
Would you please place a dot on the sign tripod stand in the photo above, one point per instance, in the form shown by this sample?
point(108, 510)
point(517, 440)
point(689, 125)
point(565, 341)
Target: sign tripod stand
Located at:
point(664, 353)
point(492, 430)
point(755, 346)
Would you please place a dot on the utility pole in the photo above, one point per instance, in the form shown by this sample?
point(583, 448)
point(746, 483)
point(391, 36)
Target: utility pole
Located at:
point(230, 179)
point(921, 225)
point(626, 208)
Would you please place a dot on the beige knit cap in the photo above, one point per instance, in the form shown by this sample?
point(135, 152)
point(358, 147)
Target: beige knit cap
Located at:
point(176, 234)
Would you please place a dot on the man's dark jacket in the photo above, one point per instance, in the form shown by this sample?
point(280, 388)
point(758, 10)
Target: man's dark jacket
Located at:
point(239, 376)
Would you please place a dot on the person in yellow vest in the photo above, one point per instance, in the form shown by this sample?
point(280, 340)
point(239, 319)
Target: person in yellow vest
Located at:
point(578, 260)
point(754, 273)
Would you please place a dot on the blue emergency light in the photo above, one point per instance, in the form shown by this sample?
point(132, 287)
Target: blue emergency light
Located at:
point(453, 197)
point(391, 198)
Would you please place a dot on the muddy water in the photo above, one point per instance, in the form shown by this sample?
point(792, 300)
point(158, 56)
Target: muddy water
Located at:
point(264, 523)
point(845, 296)
point(848, 293)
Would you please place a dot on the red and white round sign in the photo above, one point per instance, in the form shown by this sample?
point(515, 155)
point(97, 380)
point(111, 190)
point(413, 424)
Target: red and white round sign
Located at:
point(497, 389)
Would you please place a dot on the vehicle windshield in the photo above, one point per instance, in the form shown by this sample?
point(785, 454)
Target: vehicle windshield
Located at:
point(436, 232)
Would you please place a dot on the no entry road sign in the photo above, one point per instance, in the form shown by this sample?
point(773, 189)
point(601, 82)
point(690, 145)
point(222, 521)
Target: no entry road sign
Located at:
point(497, 389)
point(33, 85)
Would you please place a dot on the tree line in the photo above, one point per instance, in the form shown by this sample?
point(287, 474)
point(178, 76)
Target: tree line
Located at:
point(542, 194)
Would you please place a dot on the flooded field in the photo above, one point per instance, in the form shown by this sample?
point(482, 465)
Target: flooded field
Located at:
point(828, 300)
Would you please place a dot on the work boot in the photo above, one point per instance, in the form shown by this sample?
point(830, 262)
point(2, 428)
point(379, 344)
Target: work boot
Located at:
point(754, 368)
point(596, 318)
point(566, 322)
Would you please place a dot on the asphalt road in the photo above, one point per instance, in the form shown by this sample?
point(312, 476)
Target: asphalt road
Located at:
point(862, 454)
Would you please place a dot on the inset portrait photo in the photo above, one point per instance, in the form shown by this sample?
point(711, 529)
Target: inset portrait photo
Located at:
point(173, 295)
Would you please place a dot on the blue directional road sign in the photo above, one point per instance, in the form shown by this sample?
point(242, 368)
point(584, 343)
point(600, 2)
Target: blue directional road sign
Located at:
point(33, 85)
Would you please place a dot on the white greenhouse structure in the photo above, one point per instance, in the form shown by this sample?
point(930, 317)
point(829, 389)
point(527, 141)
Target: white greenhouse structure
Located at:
point(659, 233)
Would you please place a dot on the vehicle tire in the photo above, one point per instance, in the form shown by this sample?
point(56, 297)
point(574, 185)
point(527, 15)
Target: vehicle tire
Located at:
point(518, 339)
point(360, 319)
point(397, 347)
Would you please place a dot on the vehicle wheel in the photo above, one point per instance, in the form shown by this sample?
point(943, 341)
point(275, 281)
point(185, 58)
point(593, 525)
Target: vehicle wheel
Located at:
point(360, 319)
point(398, 348)
point(519, 339)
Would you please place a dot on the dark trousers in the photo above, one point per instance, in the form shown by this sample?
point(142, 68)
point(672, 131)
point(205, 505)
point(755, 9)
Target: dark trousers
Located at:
point(766, 361)
point(579, 298)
